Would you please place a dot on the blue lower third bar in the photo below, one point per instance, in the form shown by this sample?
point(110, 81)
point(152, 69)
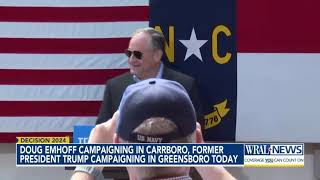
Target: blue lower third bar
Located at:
point(130, 154)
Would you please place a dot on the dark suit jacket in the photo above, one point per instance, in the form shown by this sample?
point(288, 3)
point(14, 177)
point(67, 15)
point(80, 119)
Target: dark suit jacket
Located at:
point(116, 86)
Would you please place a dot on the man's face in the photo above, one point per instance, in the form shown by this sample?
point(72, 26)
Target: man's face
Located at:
point(147, 66)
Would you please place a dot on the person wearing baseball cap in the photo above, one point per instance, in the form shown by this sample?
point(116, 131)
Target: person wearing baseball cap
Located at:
point(154, 111)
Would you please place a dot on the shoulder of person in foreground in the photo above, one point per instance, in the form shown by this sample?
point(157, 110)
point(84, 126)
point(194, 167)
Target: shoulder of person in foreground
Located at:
point(104, 132)
point(101, 133)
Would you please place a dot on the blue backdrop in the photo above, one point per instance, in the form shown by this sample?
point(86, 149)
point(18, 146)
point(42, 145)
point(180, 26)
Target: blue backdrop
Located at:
point(201, 39)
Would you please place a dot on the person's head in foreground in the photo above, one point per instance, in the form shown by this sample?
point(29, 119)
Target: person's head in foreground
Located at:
point(156, 111)
point(144, 52)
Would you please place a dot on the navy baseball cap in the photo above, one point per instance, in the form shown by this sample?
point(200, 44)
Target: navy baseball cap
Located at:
point(155, 98)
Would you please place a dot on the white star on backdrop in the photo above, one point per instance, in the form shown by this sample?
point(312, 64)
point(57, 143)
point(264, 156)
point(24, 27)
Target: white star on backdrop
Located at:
point(193, 46)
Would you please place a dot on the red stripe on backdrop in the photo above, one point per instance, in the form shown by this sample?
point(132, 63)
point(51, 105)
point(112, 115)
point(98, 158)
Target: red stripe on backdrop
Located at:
point(58, 77)
point(63, 46)
point(74, 14)
point(49, 108)
point(11, 137)
point(278, 26)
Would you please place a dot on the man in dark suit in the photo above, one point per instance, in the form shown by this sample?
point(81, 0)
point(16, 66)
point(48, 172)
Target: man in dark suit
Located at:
point(144, 53)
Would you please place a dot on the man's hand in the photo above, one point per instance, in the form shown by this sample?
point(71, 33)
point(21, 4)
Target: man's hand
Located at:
point(211, 172)
point(199, 136)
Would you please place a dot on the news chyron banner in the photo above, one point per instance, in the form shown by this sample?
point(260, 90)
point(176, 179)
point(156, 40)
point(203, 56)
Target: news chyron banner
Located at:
point(148, 154)
point(201, 42)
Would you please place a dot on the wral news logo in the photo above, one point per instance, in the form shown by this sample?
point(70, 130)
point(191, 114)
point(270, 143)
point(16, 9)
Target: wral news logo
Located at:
point(274, 155)
point(274, 149)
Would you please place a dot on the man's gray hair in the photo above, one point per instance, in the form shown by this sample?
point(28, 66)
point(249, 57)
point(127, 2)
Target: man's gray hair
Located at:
point(157, 39)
